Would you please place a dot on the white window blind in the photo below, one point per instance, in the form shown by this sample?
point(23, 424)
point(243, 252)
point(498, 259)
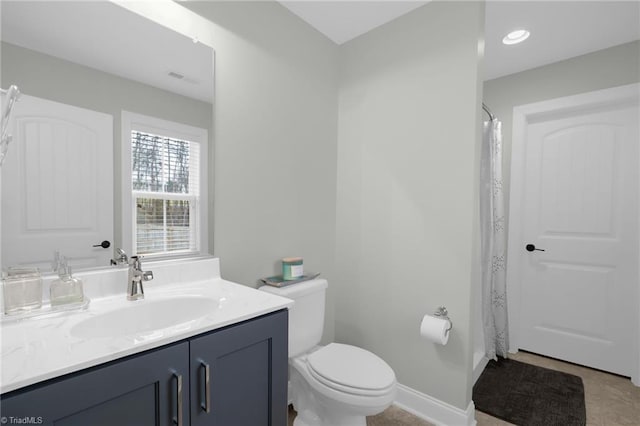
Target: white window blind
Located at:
point(166, 195)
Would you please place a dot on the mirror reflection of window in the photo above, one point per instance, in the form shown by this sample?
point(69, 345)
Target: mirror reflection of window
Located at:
point(164, 187)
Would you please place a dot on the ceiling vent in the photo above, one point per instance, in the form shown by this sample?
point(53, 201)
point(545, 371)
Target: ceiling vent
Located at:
point(175, 75)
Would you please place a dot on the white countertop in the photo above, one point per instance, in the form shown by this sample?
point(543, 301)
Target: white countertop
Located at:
point(38, 349)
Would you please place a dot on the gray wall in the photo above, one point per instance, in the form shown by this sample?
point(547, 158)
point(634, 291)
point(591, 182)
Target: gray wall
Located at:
point(615, 66)
point(48, 77)
point(275, 142)
point(407, 182)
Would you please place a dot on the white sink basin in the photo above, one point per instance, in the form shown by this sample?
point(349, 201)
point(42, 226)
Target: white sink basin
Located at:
point(145, 316)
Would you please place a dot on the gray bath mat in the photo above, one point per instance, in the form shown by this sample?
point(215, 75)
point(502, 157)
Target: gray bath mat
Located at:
point(528, 395)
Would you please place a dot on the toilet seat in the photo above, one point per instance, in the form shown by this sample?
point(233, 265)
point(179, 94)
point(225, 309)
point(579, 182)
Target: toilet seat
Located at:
point(352, 370)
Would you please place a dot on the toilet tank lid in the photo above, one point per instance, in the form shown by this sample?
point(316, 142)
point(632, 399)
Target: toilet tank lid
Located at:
point(298, 289)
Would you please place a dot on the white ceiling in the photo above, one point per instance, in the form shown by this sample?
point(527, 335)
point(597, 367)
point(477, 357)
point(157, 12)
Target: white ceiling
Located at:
point(107, 37)
point(559, 29)
point(342, 21)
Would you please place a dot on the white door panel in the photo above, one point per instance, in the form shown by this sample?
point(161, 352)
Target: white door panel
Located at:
point(580, 206)
point(57, 185)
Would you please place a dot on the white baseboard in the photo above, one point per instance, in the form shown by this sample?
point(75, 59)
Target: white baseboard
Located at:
point(433, 410)
point(478, 366)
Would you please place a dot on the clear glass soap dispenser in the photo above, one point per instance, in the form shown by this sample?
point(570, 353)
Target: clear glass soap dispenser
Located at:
point(66, 289)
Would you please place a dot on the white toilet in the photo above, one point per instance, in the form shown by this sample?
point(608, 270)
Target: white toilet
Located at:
point(333, 385)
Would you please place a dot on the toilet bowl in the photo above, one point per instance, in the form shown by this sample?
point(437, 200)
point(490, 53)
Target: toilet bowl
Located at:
point(336, 384)
point(339, 385)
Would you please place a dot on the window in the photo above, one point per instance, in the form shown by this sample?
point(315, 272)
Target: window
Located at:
point(164, 187)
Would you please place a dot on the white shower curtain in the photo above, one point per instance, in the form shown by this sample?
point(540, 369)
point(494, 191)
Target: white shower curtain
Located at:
point(493, 243)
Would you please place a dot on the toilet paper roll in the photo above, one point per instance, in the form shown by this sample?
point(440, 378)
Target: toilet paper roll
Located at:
point(435, 329)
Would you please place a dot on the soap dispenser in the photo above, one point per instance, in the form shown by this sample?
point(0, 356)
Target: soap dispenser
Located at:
point(66, 289)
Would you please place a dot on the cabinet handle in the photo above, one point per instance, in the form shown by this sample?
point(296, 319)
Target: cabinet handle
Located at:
point(178, 419)
point(206, 405)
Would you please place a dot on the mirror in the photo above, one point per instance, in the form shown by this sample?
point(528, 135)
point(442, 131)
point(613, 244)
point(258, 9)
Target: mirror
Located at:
point(102, 58)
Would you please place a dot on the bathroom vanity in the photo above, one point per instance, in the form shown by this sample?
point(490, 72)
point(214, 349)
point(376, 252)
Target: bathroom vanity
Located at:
point(217, 355)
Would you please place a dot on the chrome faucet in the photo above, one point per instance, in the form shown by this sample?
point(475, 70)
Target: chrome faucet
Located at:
point(122, 258)
point(135, 290)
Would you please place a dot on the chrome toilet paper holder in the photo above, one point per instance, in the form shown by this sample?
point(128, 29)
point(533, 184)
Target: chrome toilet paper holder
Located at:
point(443, 313)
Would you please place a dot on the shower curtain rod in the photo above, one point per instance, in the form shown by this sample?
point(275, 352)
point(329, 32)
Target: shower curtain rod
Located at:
point(13, 93)
point(488, 111)
point(15, 90)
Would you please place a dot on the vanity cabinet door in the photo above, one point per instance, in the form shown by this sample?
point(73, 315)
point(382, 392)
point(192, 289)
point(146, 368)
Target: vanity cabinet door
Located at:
point(247, 370)
point(137, 391)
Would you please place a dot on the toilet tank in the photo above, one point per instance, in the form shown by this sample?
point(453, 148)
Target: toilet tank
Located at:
point(306, 316)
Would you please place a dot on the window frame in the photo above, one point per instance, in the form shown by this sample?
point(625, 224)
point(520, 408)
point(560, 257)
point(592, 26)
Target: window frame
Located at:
point(146, 124)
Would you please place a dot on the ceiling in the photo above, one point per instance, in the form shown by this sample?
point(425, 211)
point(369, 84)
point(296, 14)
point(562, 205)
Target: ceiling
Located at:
point(342, 21)
point(95, 34)
point(108, 37)
point(559, 29)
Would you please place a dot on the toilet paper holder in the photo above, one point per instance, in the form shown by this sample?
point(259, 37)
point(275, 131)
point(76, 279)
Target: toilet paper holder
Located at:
point(443, 313)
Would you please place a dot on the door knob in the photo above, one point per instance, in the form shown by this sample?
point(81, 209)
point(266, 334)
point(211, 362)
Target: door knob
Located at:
point(531, 247)
point(104, 244)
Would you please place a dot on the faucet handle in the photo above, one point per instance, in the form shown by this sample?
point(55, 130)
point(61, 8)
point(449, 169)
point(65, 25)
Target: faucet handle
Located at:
point(147, 275)
point(121, 258)
point(135, 262)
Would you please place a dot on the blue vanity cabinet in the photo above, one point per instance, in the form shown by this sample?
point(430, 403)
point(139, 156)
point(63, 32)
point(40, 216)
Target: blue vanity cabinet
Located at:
point(247, 368)
point(239, 374)
point(138, 390)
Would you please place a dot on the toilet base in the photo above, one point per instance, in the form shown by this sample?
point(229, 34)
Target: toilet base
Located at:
point(316, 409)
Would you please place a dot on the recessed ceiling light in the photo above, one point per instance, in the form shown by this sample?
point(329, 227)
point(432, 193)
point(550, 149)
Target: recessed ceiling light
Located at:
point(516, 36)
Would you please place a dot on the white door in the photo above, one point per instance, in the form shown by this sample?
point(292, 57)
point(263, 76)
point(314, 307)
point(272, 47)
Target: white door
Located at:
point(57, 185)
point(580, 205)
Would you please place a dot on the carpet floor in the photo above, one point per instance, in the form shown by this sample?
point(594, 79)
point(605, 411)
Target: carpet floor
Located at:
point(528, 395)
